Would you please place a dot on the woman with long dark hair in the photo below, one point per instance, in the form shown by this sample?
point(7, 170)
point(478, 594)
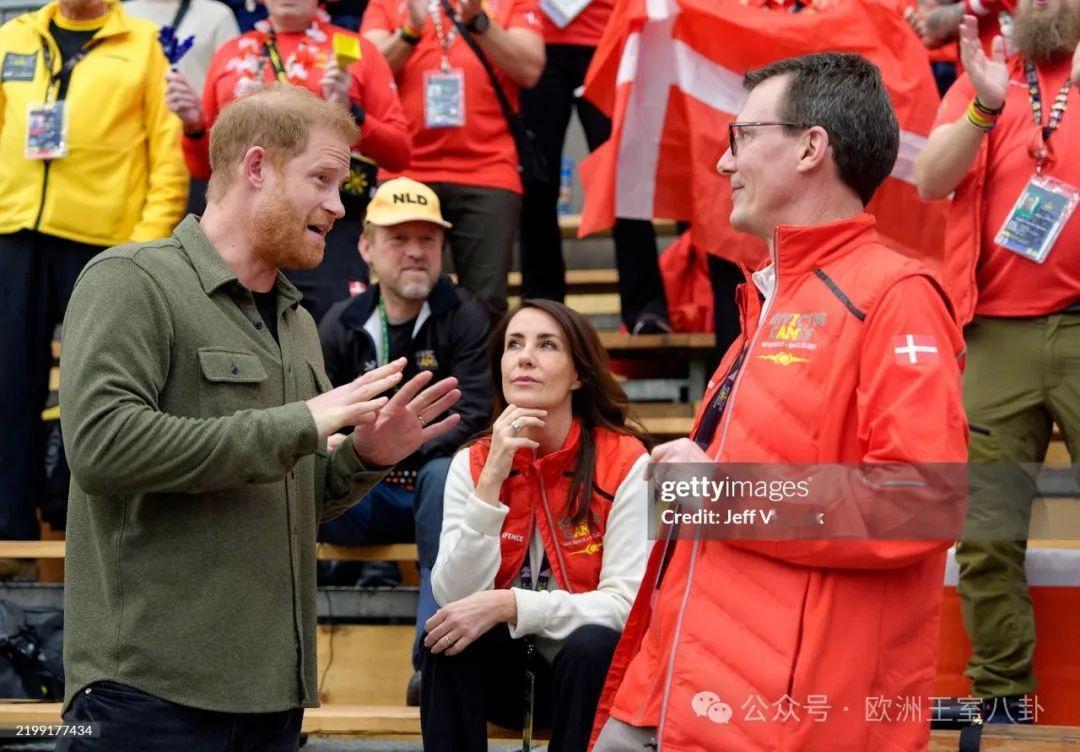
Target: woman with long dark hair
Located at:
point(543, 543)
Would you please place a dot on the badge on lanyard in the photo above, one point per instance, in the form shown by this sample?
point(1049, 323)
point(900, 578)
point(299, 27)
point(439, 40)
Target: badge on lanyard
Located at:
point(444, 99)
point(562, 12)
point(46, 131)
point(1037, 218)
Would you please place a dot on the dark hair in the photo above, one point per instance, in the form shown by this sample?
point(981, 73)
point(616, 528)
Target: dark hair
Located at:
point(598, 403)
point(843, 93)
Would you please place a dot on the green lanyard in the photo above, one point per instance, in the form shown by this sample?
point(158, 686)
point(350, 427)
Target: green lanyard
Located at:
point(384, 357)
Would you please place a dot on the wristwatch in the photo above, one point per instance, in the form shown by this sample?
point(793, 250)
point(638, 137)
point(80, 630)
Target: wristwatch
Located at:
point(479, 24)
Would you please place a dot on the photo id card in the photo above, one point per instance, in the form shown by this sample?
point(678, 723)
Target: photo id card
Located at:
point(444, 99)
point(46, 131)
point(1037, 218)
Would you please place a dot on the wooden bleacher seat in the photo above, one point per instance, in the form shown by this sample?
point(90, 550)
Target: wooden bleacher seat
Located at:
point(401, 721)
point(569, 224)
point(577, 280)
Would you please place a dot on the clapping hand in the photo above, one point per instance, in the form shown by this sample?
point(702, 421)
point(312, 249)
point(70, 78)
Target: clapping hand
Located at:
point(181, 99)
point(335, 84)
point(989, 75)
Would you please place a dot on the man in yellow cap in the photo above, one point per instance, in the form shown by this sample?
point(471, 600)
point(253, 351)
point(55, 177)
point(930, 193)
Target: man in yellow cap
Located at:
point(413, 312)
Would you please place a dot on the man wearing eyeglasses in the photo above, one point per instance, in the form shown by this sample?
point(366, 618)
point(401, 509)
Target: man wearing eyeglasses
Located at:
point(849, 354)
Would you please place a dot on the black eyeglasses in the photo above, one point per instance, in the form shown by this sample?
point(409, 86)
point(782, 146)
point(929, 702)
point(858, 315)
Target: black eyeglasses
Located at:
point(755, 124)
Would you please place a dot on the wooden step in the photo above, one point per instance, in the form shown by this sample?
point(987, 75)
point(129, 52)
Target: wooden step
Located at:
point(577, 281)
point(668, 428)
point(399, 720)
point(389, 552)
point(657, 345)
point(1010, 738)
point(569, 224)
point(54, 549)
point(588, 304)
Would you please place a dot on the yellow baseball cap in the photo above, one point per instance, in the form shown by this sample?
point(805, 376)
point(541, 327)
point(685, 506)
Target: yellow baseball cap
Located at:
point(403, 200)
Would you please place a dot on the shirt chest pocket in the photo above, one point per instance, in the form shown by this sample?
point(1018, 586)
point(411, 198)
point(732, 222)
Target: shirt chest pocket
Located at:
point(232, 380)
point(319, 379)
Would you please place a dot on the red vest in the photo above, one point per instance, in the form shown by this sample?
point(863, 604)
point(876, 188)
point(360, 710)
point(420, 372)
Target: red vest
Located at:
point(537, 492)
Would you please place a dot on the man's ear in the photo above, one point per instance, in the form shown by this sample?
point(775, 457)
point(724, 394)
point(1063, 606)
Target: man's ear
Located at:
point(255, 167)
point(365, 247)
point(814, 148)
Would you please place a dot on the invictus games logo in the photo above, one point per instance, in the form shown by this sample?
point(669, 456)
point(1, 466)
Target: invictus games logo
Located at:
point(795, 327)
point(784, 358)
point(792, 331)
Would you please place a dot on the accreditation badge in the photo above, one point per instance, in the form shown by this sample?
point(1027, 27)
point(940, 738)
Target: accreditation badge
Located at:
point(444, 99)
point(46, 131)
point(1038, 217)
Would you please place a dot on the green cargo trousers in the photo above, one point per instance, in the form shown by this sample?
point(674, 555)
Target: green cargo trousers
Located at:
point(1022, 375)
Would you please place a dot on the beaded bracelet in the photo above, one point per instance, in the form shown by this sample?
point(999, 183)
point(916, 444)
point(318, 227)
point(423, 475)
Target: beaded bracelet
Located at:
point(981, 116)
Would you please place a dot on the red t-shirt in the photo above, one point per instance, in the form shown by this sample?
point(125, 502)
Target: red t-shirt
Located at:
point(1009, 284)
point(482, 152)
point(586, 28)
point(384, 136)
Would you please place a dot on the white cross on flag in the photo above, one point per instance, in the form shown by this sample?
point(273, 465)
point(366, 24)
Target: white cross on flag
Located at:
point(669, 74)
point(913, 349)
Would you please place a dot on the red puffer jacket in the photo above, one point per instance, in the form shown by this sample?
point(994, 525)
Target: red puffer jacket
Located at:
point(792, 645)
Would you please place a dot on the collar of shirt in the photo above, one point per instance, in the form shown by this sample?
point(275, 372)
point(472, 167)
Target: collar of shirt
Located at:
point(765, 281)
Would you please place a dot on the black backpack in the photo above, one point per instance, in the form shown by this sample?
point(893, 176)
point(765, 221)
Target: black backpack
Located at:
point(31, 652)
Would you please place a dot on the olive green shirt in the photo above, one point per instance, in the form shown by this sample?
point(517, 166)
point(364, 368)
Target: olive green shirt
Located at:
point(198, 481)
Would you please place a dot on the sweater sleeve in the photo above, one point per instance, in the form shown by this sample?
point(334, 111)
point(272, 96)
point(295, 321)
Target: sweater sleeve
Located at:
point(384, 135)
point(555, 614)
point(469, 552)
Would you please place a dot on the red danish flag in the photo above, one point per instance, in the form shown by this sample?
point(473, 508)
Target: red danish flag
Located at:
point(913, 349)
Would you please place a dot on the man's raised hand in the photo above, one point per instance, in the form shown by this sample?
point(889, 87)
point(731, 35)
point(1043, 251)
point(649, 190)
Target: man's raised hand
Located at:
point(357, 402)
point(405, 422)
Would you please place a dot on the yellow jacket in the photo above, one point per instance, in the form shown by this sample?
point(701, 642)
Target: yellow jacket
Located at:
point(123, 178)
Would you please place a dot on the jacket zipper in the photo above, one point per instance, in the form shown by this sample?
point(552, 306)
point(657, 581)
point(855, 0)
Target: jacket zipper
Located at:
point(726, 420)
point(44, 187)
point(554, 536)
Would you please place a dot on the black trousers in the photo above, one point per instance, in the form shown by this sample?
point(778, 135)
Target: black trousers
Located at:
point(37, 275)
point(130, 720)
point(486, 682)
point(725, 277)
point(547, 108)
point(485, 223)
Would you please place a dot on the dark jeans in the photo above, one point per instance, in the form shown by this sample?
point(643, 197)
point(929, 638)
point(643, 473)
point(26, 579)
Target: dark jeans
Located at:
point(329, 282)
point(725, 277)
point(37, 275)
point(390, 514)
point(547, 108)
point(130, 720)
point(481, 241)
point(486, 682)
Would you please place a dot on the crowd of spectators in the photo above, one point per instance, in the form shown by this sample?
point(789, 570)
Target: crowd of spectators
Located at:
point(462, 109)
